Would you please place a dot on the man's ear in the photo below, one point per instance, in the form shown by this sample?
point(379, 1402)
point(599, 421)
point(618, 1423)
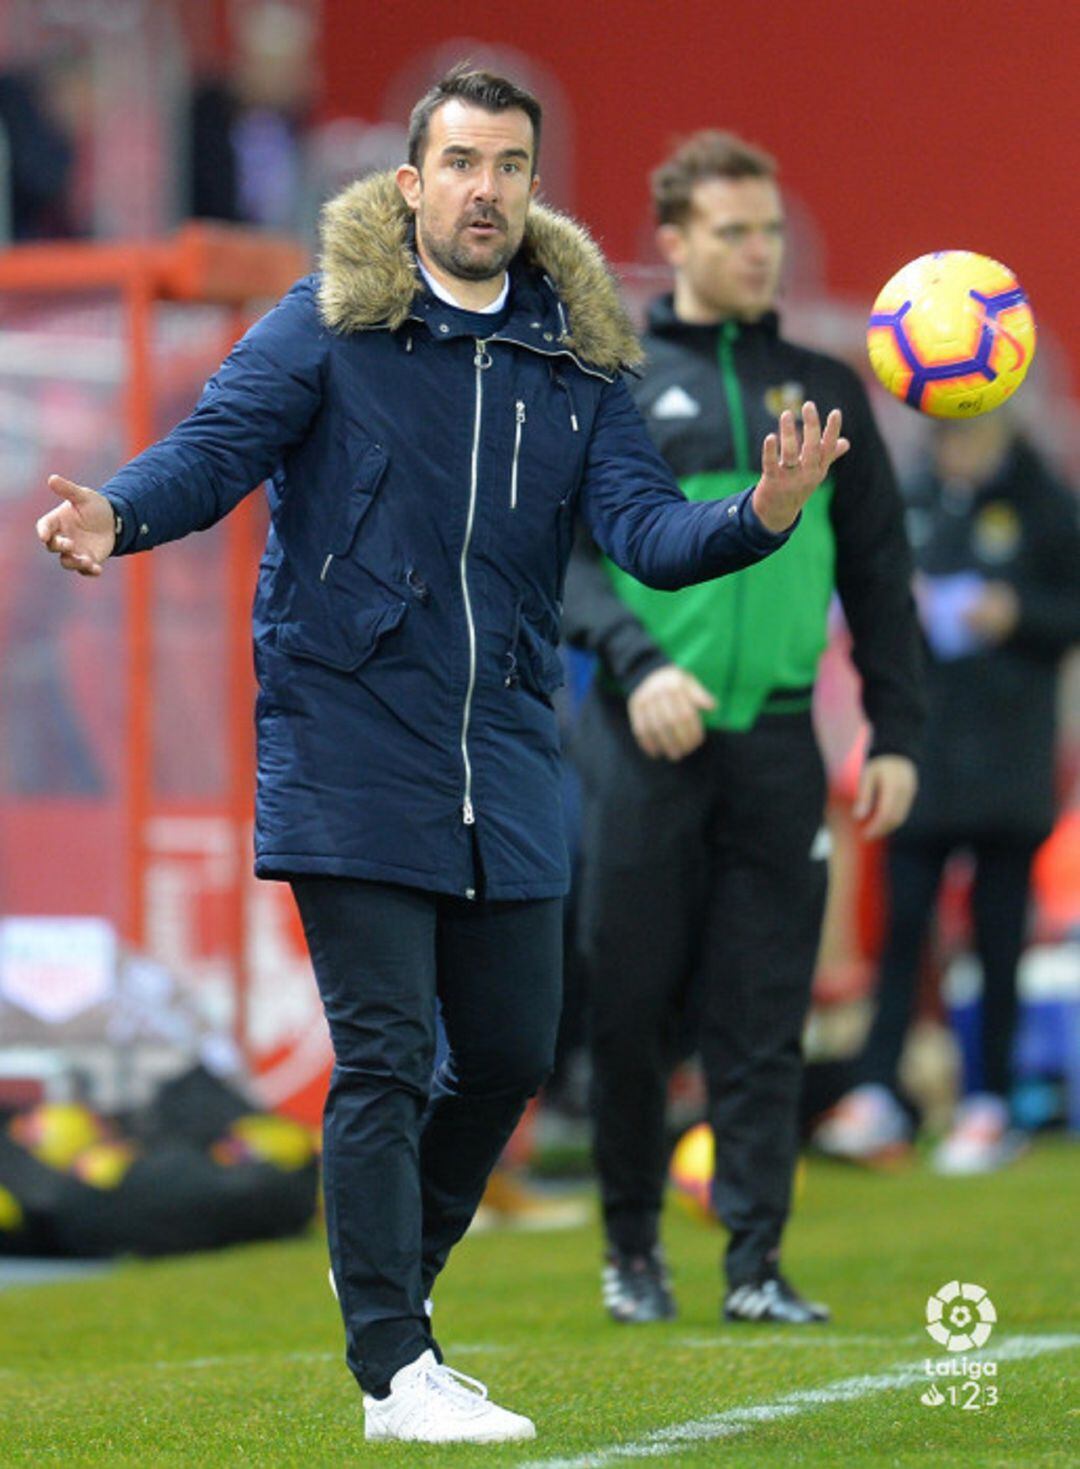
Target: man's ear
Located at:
point(534, 185)
point(410, 184)
point(671, 244)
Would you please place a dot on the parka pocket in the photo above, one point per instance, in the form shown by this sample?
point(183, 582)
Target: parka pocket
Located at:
point(343, 644)
point(369, 475)
point(532, 662)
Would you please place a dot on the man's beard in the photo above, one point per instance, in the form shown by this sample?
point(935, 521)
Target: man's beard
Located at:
point(452, 254)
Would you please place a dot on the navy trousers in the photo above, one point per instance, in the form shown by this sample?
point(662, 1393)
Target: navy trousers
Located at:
point(406, 1157)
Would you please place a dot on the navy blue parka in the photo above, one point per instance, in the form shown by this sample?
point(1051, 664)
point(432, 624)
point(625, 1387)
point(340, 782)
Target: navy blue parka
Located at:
point(423, 483)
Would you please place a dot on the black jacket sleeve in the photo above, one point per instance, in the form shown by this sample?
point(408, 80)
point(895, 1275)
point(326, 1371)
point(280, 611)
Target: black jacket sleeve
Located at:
point(1050, 595)
point(873, 579)
point(596, 619)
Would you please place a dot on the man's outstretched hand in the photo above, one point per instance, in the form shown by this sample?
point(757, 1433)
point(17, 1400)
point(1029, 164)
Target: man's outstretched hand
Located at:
point(81, 530)
point(790, 471)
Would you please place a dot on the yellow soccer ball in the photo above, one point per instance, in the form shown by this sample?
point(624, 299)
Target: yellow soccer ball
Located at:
point(951, 334)
point(691, 1170)
point(690, 1173)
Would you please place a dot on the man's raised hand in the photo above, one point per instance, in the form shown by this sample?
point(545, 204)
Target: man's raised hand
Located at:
point(790, 471)
point(81, 530)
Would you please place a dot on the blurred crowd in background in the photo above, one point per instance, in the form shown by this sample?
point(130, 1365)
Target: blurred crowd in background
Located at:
point(114, 130)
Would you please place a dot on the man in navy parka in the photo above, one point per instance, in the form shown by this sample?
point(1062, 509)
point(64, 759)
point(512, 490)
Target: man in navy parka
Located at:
point(431, 408)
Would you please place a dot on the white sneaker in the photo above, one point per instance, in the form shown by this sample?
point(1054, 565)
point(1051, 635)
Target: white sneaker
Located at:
point(431, 1403)
point(980, 1139)
point(866, 1123)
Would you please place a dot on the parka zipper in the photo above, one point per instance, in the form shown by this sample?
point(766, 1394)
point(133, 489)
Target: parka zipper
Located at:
point(481, 362)
point(560, 382)
point(729, 378)
point(519, 424)
point(729, 334)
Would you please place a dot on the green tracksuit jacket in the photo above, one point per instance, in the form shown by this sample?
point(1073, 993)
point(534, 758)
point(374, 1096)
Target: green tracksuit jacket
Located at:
point(709, 395)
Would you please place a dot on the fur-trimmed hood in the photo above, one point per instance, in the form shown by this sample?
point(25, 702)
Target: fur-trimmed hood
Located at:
point(369, 271)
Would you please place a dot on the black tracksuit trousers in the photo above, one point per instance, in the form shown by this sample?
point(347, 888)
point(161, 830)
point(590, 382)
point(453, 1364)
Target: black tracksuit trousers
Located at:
point(703, 895)
point(406, 1157)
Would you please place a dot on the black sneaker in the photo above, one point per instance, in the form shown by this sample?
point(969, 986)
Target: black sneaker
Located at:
point(637, 1289)
point(773, 1301)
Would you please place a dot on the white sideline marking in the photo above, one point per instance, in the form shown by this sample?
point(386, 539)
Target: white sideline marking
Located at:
point(198, 1364)
point(247, 1359)
point(737, 1420)
point(183, 1364)
point(460, 1349)
point(833, 1341)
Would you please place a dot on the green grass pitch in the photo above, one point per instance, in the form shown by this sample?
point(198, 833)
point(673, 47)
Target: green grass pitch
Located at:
point(236, 1358)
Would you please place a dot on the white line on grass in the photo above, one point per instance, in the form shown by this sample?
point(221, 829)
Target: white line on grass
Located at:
point(461, 1349)
point(246, 1359)
point(829, 1340)
point(732, 1421)
point(181, 1364)
point(198, 1364)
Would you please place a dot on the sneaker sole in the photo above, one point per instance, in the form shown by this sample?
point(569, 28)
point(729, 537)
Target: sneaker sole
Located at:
point(379, 1435)
point(890, 1158)
point(641, 1320)
point(1008, 1155)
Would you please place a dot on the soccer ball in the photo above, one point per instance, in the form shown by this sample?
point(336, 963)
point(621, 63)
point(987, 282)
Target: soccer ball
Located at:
point(691, 1171)
point(951, 334)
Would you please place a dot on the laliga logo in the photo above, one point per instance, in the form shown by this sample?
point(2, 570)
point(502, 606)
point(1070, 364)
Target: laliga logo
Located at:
point(960, 1317)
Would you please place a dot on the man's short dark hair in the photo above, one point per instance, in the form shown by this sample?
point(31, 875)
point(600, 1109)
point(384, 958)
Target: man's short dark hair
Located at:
point(479, 89)
point(705, 155)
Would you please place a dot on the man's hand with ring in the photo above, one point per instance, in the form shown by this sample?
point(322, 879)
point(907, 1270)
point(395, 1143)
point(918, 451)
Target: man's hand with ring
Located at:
point(791, 471)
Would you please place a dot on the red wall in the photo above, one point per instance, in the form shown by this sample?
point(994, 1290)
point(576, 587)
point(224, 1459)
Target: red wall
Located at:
point(905, 126)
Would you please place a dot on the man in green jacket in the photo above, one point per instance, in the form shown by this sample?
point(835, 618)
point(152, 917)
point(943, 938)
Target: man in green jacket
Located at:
point(705, 858)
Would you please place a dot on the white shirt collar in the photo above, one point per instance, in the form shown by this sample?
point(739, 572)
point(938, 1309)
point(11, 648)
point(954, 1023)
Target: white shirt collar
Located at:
point(439, 290)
